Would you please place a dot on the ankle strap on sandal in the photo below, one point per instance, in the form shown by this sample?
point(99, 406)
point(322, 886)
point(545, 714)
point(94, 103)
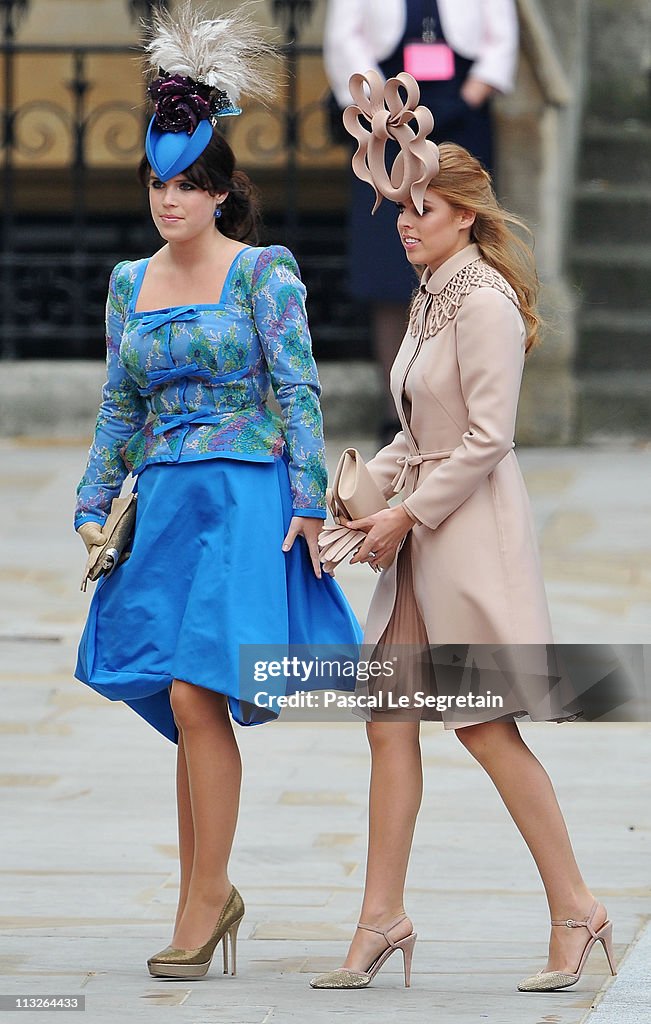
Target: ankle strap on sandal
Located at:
point(571, 923)
point(381, 931)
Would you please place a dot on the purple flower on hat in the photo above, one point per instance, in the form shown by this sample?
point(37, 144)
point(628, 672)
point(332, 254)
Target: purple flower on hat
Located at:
point(180, 103)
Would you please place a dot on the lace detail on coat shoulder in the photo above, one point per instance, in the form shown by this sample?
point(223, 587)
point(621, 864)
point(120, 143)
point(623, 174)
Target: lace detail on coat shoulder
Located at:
point(430, 313)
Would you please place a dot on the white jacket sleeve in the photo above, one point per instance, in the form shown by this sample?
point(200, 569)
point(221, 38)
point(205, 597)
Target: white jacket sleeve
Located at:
point(498, 53)
point(346, 47)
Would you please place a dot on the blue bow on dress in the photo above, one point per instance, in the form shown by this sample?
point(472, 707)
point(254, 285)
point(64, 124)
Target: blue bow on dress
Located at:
point(157, 378)
point(171, 420)
point(163, 317)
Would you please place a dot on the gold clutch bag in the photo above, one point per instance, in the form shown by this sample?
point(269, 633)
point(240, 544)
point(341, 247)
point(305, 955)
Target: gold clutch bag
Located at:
point(354, 495)
point(118, 530)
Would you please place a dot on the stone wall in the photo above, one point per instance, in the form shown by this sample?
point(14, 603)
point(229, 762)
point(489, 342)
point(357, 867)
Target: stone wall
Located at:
point(538, 129)
point(620, 58)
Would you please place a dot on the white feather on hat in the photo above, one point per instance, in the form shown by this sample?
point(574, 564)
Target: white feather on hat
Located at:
point(229, 53)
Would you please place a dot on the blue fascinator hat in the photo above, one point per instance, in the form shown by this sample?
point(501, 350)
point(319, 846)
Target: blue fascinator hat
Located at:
point(207, 64)
point(182, 126)
point(170, 154)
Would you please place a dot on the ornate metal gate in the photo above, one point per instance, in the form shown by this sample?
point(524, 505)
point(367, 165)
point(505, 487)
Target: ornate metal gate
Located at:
point(56, 254)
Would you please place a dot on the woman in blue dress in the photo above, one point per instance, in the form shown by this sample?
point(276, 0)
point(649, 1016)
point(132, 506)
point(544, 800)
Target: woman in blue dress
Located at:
point(231, 495)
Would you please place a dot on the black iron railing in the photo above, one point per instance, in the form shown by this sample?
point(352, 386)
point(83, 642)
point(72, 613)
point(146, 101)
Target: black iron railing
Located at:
point(68, 215)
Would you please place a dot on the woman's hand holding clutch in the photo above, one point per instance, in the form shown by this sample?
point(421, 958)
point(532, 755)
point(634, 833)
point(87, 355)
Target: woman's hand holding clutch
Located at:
point(109, 545)
point(354, 495)
point(384, 531)
point(91, 534)
point(337, 543)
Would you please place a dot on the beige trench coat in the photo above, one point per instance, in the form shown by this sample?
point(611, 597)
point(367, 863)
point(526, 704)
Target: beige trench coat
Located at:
point(475, 567)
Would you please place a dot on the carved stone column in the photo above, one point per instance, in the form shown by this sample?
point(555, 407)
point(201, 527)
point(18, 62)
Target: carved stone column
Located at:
point(538, 133)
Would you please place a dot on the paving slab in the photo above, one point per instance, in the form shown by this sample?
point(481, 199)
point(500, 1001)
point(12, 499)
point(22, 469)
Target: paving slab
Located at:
point(628, 999)
point(88, 873)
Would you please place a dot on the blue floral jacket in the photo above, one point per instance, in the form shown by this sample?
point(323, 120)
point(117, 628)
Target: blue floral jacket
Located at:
point(192, 382)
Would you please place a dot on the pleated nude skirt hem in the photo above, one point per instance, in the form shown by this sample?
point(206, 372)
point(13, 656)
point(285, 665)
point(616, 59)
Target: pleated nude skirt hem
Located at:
point(468, 684)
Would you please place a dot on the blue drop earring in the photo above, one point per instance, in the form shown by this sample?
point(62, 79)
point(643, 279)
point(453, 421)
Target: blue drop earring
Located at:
point(218, 213)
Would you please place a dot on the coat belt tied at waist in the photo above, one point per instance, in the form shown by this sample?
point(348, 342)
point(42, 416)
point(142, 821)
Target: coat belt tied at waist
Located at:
point(409, 467)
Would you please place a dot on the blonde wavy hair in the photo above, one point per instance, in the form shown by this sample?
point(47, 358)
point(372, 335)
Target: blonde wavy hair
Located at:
point(466, 185)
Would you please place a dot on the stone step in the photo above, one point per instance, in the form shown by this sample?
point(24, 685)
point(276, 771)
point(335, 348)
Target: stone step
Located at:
point(616, 276)
point(613, 340)
point(612, 213)
point(621, 154)
point(614, 405)
point(59, 398)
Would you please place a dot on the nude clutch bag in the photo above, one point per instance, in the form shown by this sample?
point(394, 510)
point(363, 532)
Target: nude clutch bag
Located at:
point(354, 495)
point(118, 530)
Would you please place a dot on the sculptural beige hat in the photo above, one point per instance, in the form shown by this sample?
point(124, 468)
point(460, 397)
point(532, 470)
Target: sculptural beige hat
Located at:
point(389, 108)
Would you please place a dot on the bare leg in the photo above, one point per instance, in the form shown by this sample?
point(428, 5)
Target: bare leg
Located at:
point(185, 827)
point(529, 796)
point(214, 776)
point(389, 324)
point(394, 799)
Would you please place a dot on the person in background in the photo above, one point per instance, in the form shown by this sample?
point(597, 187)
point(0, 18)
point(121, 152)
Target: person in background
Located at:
point(461, 54)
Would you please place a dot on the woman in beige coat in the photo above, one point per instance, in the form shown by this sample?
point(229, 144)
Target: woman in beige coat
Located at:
point(459, 553)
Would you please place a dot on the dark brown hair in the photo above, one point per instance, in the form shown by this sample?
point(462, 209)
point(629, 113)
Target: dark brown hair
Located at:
point(215, 171)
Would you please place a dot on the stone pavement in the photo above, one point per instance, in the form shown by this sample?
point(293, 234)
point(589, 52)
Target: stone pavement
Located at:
point(88, 862)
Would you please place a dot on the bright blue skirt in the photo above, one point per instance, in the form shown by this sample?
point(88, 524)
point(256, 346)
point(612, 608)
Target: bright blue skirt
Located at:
point(206, 574)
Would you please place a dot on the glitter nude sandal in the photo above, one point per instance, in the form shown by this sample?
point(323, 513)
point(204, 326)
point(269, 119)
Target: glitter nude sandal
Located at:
point(551, 981)
point(343, 977)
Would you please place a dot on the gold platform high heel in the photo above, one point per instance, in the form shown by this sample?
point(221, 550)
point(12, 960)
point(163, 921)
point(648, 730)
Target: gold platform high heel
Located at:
point(551, 981)
point(343, 977)
point(191, 964)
